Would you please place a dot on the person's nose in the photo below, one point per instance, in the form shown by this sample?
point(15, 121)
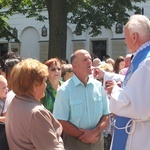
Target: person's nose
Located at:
point(90, 61)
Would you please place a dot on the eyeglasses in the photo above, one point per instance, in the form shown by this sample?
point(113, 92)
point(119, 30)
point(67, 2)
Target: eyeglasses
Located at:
point(69, 70)
point(55, 69)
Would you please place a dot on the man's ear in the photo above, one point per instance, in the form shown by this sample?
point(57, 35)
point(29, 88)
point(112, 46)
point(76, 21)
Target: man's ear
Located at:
point(74, 66)
point(135, 37)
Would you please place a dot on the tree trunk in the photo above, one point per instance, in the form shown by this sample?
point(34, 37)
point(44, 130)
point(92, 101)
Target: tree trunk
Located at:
point(58, 28)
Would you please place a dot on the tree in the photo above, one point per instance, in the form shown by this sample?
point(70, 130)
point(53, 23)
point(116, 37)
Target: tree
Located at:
point(57, 13)
point(85, 14)
point(5, 29)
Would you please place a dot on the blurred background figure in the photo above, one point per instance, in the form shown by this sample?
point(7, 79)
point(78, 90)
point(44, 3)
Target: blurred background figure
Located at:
point(128, 60)
point(119, 64)
point(96, 62)
point(53, 82)
point(7, 67)
point(3, 94)
point(0, 69)
point(105, 58)
point(67, 71)
point(64, 61)
point(4, 62)
point(108, 131)
point(127, 64)
point(107, 67)
point(7, 62)
point(28, 124)
point(110, 61)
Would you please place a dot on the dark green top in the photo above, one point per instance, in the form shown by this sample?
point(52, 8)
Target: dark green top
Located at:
point(49, 98)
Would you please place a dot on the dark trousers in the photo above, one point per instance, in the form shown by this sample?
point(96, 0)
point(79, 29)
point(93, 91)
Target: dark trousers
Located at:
point(3, 139)
point(72, 143)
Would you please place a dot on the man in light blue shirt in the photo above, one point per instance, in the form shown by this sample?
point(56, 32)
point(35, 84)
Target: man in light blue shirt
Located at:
point(81, 106)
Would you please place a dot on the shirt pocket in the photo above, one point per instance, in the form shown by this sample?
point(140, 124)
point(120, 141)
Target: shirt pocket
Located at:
point(76, 108)
point(98, 105)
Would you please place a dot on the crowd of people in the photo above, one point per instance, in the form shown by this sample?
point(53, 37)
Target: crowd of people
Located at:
point(82, 105)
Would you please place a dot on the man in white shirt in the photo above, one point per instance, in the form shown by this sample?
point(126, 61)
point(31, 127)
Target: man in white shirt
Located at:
point(131, 102)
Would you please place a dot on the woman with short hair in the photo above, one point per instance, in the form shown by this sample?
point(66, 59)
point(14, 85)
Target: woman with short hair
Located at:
point(53, 82)
point(28, 124)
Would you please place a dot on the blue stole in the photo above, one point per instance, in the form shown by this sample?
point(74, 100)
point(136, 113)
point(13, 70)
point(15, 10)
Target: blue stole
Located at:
point(120, 135)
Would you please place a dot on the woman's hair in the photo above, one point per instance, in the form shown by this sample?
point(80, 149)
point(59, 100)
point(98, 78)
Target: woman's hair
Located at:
point(9, 60)
point(110, 61)
point(52, 61)
point(66, 68)
point(107, 67)
point(117, 62)
point(26, 74)
point(64, 61)
point(9, 64)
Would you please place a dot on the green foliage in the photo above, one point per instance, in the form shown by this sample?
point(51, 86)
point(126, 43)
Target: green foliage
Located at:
point(97, 13)
point(5, 29)
point(84, 13)
point(30, 8)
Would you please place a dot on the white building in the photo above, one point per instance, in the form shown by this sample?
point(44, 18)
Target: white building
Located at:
point(34, 45)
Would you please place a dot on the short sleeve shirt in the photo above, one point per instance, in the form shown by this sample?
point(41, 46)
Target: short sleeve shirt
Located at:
point(81, 105)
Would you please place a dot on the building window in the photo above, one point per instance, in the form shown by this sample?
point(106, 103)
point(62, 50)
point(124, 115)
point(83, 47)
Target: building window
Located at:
point(44, 31)
point(99, 48)
point(3, 49)
point(15, 32)
point(139, 11)
point(119, 28)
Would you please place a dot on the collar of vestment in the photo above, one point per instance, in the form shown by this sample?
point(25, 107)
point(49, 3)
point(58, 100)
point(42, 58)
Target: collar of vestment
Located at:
point(141, 48)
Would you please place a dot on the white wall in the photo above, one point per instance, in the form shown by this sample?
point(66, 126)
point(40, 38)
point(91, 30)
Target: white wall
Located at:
point(29, 33)
point(29, 43)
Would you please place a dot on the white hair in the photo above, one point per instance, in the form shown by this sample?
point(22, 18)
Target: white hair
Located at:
point(2, 78)
point(139, 24)
point(128, 55)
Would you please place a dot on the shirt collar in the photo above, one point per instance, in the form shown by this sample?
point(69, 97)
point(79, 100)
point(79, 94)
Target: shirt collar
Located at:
point(76, 80)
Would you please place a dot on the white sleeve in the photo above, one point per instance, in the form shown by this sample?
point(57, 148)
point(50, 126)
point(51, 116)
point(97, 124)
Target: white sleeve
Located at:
point(133, 101)
point(112, 76)
point(8, 100)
